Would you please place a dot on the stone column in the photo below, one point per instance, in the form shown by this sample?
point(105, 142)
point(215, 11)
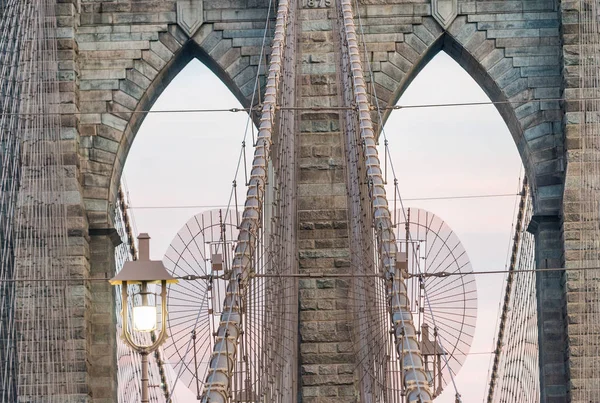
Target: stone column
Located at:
point(102, 353)
point(551, 301)
point(327, 359)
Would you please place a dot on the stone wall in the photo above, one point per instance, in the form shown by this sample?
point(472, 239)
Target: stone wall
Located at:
point(327, 358)
point(128, 54)
point(117, 57)
point(581, 214)
point(129, 51)
point(511, 48)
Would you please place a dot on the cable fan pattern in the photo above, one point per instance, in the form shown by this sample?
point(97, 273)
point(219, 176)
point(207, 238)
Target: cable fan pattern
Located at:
point(201, 249)
point(441, 289)
point(516, 372)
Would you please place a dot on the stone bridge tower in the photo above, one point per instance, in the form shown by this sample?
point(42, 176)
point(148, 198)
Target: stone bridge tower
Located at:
point(116, 57)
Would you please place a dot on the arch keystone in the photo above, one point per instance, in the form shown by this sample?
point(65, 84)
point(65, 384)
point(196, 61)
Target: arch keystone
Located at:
point(190, 15)
point(444, 11)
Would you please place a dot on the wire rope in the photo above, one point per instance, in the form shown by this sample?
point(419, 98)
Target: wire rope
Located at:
point(312, 108)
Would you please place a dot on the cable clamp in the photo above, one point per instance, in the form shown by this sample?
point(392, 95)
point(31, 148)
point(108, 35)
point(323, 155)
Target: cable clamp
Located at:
point(191, 277)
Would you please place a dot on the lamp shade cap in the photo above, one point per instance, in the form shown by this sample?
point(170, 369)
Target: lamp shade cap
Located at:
point(136, 272)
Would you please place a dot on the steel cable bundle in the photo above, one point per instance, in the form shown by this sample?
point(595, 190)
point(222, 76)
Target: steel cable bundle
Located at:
point(38, 348)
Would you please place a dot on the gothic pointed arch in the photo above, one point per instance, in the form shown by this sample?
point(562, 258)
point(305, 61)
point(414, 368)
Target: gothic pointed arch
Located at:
point(516, 57)
point(116, 100)
point(525, 89)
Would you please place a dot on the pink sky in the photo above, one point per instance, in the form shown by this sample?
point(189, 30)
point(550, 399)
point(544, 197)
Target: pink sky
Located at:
point(190, 159)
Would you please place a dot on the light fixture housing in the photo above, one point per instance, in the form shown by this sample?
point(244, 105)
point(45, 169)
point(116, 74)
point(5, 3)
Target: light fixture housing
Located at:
point(144, 272)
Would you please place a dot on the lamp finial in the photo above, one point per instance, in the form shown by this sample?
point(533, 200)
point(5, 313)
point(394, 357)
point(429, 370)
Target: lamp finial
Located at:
point(144, 247)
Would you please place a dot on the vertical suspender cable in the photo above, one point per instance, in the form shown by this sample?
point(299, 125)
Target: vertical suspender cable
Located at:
point(414, 378)
point(218, 384)
point(509, 285)
point(10, 48)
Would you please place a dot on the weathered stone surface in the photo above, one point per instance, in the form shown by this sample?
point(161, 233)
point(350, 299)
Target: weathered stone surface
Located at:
point(116, 57)
point(444, 11)
point(190, 15)
point(322, 226)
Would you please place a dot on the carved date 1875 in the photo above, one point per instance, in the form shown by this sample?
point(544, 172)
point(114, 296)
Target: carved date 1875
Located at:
point(317, 3)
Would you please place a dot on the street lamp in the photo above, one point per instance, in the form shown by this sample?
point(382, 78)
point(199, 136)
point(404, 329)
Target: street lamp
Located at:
point(143, 271)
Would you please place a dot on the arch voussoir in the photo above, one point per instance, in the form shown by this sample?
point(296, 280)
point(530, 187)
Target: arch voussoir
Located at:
point(517, 68)
point(123, 73)
point(519, 71)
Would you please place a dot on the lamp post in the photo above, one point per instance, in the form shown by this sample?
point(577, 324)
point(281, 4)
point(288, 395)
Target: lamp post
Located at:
point(143, 271)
